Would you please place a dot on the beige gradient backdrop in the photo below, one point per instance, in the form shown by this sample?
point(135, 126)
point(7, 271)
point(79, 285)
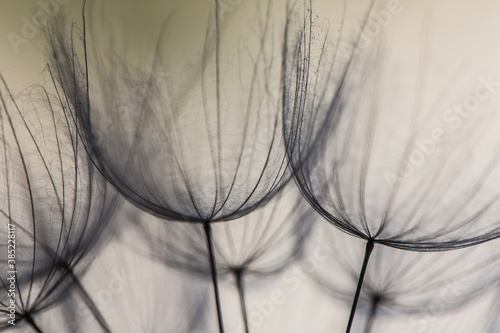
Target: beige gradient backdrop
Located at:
point(462, 34)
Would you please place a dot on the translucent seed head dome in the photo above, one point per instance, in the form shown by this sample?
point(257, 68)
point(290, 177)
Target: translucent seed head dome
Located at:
point(54, 204)
point(197, 136)
point(405, 150)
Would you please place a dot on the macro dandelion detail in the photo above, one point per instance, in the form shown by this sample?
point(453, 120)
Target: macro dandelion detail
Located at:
point(119, 297)
point(249, 166)
point(403, 283)
point(221, 153)
point(355, 171)
point(259, 245)
point(54, 202)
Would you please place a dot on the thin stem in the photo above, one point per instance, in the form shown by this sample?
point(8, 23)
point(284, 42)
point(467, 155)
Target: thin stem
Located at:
point(213, 268)
point(32, 323)
point(373, 311)
point(88, 301)
point(241, 291)
point(368, 252)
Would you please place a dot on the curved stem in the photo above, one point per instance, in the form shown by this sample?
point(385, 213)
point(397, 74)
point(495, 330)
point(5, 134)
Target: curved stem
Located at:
point(32, 323)
point(368, 252)
point(241, 291)
point(213, 268)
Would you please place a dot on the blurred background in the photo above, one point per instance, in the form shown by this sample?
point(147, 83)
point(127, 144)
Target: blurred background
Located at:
point(459, 41)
